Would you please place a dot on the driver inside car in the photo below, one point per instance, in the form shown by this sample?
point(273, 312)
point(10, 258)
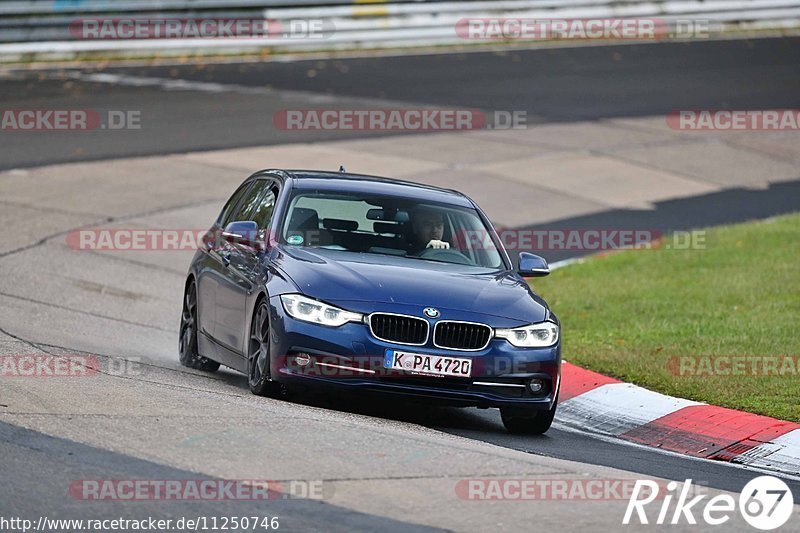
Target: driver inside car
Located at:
point(427, 226)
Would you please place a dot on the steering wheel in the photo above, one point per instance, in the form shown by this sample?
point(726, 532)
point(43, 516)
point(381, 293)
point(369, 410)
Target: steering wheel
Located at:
point(445, 254)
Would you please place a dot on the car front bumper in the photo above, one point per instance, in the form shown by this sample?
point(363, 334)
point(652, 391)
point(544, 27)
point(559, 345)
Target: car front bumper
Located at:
point(349, 357)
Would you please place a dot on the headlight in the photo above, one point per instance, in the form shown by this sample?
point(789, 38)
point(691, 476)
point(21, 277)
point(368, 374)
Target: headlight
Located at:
point(538, 335)
point(310, 310)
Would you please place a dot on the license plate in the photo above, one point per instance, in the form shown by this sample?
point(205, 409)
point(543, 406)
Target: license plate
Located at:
point(428, 365)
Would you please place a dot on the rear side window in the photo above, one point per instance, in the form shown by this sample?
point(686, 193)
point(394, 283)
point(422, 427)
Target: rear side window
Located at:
point(266, 205)
point(225, 217)
point(248, 203)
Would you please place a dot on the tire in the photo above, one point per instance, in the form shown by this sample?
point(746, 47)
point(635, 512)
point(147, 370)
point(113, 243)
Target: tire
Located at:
point(533, 423)
point(187, 337)
point(258, 355)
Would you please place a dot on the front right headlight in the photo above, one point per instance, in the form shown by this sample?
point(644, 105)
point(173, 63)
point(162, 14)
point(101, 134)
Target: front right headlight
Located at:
point(539, 335)
point(310, 310)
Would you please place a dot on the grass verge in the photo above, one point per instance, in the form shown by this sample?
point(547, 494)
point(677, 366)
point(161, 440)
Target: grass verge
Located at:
point(697, 324)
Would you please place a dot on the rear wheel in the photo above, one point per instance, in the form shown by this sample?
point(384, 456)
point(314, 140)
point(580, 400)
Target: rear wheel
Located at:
point(187, 341)
point(258, 354)
point(530, 423)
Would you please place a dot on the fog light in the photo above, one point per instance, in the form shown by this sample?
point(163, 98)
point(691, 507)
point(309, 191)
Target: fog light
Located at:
point(302, 359)
point(536, 386)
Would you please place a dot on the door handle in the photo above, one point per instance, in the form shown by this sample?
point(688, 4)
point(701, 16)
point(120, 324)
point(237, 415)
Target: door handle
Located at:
point(225, 255)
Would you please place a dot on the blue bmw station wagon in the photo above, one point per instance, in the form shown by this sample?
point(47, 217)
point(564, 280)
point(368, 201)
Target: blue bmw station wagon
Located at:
point(372, 285)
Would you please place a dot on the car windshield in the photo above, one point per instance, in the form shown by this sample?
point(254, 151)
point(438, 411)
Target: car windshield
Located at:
point(389, 225)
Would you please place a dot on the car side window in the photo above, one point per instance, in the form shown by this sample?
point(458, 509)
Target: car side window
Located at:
point(265, 207)
point(226, 216)
point(248, 203)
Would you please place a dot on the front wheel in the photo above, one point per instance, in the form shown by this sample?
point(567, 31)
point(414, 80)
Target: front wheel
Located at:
point(187, 341)
point(258, 356)
point(533, 423)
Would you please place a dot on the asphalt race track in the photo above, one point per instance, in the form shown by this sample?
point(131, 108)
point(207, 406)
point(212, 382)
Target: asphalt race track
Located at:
point(557, 85)
point(384, 465)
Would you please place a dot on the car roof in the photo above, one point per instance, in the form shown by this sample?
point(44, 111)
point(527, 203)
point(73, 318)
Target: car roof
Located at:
point(349, 182)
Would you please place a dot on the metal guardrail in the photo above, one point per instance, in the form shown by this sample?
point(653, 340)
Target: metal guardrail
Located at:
point(42, 27)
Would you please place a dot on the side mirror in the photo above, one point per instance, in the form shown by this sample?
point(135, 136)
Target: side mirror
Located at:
point(243, 232)
point(532, 266)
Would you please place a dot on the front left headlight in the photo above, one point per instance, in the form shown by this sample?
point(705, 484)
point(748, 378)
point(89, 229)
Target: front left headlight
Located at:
point(539, 335)
point(310, 310)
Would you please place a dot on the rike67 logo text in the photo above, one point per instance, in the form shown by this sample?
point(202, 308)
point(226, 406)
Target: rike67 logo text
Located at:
point(766, 503)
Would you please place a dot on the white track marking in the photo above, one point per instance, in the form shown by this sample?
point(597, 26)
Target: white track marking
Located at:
point(168, 84)
point(616, 408)
point(781, 454)
point(566, 262)
point(285, 95)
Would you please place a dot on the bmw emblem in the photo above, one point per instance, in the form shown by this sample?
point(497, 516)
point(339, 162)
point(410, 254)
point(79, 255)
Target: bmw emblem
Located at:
point(430, 312)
